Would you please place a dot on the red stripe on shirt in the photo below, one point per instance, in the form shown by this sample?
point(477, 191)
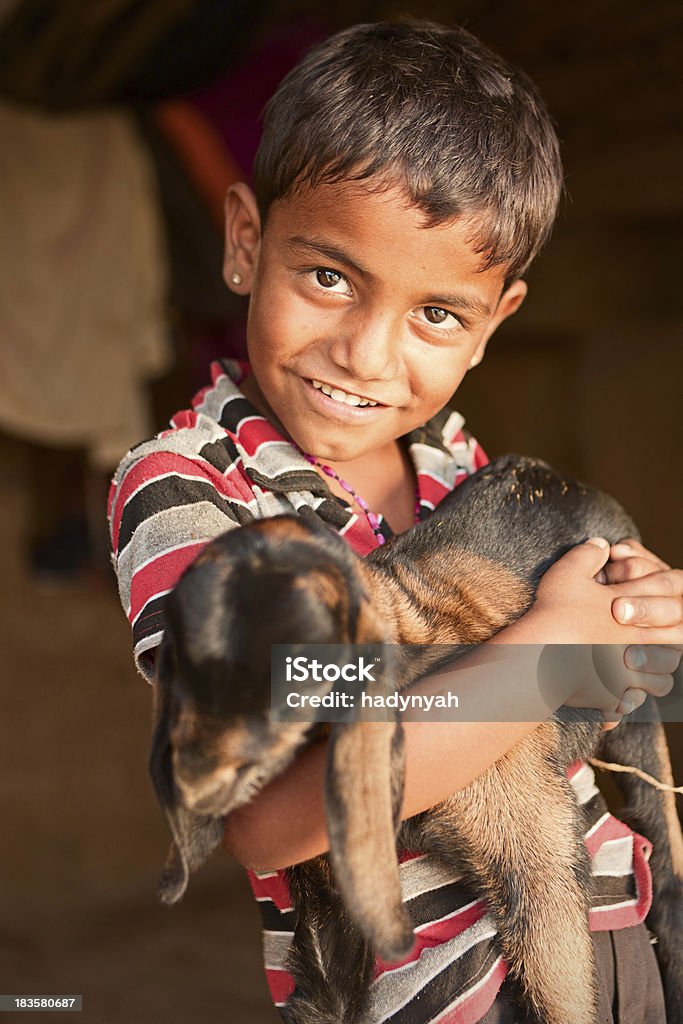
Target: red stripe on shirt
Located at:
point(274, 887)
point(153, 466)
point(255, 432)
point(609, 828)
point(360, 536)
point(431, 490)
point(480, 457)
point(186, 419)
point(434, 934)
point(280, 983)
point(168, 567)
point(201, 395)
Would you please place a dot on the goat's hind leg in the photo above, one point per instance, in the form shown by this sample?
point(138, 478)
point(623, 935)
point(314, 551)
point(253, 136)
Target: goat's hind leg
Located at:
point(330, 961)
point(515, 835)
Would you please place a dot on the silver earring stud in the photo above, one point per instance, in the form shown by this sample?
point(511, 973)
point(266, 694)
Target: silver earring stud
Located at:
point(236, 278)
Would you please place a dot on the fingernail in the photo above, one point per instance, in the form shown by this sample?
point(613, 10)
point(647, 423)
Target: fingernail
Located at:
point(625, 707)
point(622, 549)
point(626, 611)
point(635, 657)
point(602, 576)
point(599, 542)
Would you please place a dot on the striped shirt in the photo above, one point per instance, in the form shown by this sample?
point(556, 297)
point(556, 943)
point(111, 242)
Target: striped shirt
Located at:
point(220, 465)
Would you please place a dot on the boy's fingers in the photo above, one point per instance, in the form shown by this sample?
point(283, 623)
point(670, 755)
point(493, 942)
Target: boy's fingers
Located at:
point(632, 568)
point(586, 559)
point(630, 548)
point(656, 658)
point(589, 556)
point(660, 583)
point(651, 612)
point(632, 699)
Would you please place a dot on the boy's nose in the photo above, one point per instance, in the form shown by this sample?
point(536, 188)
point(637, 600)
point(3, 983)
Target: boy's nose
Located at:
point(367, 348)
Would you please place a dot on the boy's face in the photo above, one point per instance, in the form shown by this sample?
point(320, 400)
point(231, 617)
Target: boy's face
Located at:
point(349, 290)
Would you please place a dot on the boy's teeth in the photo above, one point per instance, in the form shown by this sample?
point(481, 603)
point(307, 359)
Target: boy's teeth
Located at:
point(341, 396)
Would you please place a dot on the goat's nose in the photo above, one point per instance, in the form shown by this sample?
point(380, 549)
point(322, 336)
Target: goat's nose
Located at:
point(191, 763)
point(206, 786)
point(193, 771)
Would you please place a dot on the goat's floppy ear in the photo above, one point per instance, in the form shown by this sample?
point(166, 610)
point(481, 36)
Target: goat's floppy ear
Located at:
point(364, 795)
point(195, 837)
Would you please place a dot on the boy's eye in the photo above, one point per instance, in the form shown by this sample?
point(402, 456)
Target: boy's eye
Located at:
point(437, 316)
point(329, 278)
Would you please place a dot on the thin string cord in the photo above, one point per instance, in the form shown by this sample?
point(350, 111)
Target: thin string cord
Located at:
point(608, 766)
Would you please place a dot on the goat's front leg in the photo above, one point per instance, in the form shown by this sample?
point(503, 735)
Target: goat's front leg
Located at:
point(514, 834)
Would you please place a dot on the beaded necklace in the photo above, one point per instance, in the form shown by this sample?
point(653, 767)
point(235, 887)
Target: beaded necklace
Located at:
point(373, 519)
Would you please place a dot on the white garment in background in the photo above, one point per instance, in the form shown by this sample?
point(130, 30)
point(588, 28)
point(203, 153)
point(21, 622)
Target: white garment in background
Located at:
point(82, 281)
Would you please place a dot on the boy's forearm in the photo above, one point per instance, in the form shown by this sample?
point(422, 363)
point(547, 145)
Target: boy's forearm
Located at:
point(286, 824)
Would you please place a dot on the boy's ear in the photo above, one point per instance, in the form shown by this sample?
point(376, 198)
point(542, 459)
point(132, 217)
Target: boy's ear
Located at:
point(509, 302)
point(242, 238)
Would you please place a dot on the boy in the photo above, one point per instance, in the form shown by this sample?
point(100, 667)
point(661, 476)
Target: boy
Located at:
point(405, 181)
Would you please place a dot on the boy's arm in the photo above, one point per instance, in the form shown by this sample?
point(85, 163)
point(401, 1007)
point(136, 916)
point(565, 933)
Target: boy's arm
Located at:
point(165, 504)
point(285, 823)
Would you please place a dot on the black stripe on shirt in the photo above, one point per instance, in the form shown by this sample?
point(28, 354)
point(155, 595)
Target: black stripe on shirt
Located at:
point(221, 454)
point(608, 889)
point(458, 977)
point(275, 920)
point(151, 619)
point(437, 902)
point(166, 493)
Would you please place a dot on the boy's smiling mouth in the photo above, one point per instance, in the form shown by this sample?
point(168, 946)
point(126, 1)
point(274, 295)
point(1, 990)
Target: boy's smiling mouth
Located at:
point(341, 396)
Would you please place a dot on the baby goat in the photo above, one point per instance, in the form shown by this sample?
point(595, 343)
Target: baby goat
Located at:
point(457, 578)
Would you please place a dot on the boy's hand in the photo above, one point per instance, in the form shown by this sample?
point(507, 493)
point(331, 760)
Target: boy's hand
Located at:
point(572, 608)
point(651, 599)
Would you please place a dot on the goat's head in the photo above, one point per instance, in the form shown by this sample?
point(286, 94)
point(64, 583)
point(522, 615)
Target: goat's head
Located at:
point(277, 581)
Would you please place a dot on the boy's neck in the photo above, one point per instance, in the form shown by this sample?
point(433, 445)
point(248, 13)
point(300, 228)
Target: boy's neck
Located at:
point(385, 478)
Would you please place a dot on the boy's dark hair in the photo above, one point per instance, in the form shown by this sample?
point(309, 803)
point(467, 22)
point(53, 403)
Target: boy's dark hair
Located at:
point(432, 108)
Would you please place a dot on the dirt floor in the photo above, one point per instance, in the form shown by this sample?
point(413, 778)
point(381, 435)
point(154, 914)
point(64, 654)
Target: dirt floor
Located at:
point(82, 839)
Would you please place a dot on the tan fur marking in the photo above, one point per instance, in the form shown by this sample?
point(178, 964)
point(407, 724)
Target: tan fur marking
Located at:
point(281, 529)
point(327, 587)
point(486, 598)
